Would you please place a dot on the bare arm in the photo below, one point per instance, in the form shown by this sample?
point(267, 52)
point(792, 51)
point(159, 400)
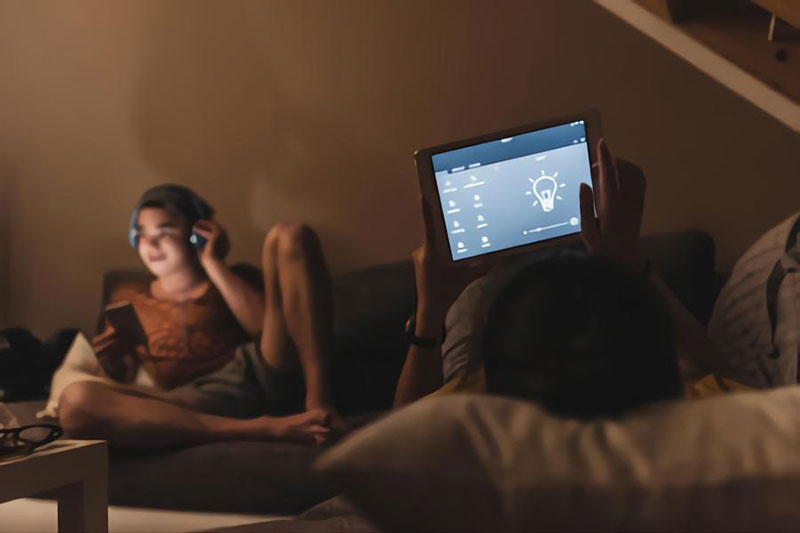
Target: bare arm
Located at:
point(422, 371)
point(439, 283)
point(245, 301)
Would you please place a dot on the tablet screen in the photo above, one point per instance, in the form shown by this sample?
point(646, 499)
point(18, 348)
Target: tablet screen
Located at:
point(513, 191)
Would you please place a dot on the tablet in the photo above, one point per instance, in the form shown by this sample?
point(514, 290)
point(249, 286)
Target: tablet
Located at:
point(511, 190)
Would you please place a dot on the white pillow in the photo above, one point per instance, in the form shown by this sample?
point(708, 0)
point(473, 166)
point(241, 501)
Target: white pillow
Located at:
point(80, 364)
point(477, 462)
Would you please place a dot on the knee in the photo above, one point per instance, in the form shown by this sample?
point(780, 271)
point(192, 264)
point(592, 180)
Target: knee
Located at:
point(292, 240)
point(78, 411)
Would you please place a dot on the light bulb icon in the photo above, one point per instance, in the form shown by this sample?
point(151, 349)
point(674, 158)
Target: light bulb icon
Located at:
point(546, 190)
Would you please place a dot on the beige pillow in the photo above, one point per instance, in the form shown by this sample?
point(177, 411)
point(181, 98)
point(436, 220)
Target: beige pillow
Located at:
point(477, 462)
point(80, 364)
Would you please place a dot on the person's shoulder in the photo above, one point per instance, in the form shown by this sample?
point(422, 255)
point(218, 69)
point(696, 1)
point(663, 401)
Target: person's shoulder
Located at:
point(478, 295)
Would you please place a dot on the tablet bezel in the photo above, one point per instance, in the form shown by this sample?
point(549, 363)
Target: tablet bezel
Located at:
point(430, 191)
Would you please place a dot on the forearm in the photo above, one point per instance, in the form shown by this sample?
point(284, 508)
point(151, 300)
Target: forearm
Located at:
point(317, 377)
point(422, 370)
point(245, 301)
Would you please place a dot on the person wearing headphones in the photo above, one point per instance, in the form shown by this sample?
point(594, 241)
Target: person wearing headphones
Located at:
point(219, 354)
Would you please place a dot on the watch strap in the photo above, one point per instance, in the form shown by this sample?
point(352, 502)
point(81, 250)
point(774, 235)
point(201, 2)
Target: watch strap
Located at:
point(422, 342)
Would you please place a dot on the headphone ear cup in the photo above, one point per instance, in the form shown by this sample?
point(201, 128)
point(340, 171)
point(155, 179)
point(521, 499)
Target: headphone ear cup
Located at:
point(133, 235)
point(203, 213)
point(197, 240)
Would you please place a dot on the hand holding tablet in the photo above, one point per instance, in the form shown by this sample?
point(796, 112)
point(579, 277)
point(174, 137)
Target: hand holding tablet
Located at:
point(438, 281)
point(614, 234)
point(488, 197)
point(509, 191)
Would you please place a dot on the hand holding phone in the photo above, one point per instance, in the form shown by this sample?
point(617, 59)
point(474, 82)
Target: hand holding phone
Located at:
point(123, 318)
point(117, 355)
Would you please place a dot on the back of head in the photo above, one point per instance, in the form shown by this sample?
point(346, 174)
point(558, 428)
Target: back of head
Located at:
point(581, 337)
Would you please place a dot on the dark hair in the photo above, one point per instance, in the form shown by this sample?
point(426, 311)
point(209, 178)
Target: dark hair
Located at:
point(178, 199)
point(582, 337)
point(171, 208)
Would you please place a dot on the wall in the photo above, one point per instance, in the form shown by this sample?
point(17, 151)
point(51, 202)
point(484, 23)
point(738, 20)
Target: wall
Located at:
point(311, 110)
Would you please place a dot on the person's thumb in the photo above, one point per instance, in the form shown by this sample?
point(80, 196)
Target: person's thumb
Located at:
point(589, 230)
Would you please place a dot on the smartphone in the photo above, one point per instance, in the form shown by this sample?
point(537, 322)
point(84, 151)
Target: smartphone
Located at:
point(123, 318)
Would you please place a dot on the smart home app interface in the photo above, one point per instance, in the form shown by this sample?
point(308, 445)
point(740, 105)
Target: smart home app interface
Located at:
point(513, 191)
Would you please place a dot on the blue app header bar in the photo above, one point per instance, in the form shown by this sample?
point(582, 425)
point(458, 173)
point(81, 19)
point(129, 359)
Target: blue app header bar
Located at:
point(529, 143)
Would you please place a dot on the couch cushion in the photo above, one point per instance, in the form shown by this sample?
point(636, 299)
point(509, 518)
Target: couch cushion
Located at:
point(371, 307)
point(255, 477)
point(472, 462)
point(248, 477)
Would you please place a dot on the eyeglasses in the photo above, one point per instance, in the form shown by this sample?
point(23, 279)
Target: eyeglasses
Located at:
point(24, 439)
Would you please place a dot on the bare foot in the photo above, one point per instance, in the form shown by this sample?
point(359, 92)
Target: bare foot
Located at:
point(311, 427)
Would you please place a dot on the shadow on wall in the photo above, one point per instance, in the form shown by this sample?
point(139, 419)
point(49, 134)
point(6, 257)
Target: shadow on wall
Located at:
point(213, 113)
point(312, 110)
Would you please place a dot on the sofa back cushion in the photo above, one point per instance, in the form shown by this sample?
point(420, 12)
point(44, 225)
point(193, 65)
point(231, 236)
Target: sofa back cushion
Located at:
point(372, 304)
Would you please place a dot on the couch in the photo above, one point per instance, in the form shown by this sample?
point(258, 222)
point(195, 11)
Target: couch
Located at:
point(371, 306)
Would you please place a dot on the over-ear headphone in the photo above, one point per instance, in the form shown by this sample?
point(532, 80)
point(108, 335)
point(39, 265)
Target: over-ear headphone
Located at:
point(200, 211)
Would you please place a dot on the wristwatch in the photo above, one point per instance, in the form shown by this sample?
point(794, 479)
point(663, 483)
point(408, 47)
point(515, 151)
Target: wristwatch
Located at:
point(422, 342)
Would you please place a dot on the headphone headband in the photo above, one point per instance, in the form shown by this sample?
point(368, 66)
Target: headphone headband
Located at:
point(186, 201)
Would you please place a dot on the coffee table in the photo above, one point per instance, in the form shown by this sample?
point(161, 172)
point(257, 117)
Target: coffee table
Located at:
point(75, 472)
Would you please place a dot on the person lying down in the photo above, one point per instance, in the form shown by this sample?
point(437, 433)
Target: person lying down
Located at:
point(582, 334)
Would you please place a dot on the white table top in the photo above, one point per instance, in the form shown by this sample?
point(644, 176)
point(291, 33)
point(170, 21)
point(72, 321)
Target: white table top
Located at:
point(54, 465)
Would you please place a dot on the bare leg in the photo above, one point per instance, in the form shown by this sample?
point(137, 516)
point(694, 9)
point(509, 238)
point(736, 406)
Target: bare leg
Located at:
point(135, 421)
point(298, 324)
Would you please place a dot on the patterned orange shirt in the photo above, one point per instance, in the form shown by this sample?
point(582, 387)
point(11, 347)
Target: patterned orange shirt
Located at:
point(188, 338)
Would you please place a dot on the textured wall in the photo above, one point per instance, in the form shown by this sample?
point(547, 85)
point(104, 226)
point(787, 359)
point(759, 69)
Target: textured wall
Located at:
point(311, 110)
